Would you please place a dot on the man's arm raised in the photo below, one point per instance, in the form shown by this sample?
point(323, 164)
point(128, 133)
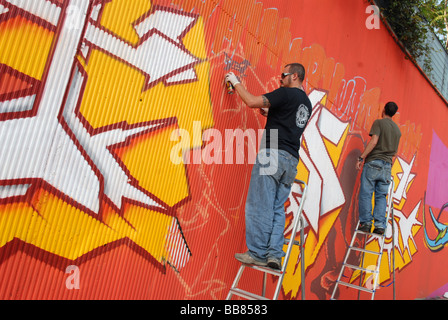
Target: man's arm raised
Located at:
point(248, 98)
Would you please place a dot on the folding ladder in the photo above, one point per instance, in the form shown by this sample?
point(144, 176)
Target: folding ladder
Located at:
point(352, 248)
point(298, 219)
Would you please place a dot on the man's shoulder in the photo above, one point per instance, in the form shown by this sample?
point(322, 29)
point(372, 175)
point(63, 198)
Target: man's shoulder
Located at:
point(306, 100)
point(390, 122)
point(300, 93)
point(387, 125)
point(379, 121)
point(383, 122)
point(286, 94)
point(277, 92)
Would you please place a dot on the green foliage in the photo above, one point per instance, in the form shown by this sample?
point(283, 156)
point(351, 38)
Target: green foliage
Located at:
point(409, 25)
point(411, 21)
point(439, 20)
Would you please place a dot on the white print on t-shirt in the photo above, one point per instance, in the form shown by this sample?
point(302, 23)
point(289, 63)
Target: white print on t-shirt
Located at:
point(302, 116)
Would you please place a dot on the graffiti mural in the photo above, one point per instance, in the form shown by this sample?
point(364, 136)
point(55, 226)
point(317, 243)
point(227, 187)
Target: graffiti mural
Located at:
point(436, 198)
point(83, 163)
point(124, 162)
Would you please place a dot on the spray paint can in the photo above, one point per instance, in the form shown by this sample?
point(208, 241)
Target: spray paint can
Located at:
point(230, 88)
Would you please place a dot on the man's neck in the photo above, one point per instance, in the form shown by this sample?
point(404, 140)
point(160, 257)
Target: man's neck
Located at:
point(296, 85)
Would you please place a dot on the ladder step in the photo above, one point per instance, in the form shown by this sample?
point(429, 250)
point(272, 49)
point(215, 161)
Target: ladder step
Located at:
point(246, 294)
point(371, 234)
point(296, 242)
point(381, 240)
point(355, 287)
point(364, 250)
point(297, 228)
point(277, 273)
point(359, 268)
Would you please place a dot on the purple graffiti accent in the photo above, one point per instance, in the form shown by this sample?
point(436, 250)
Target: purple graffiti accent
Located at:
point(439, 292)
point(436, 191)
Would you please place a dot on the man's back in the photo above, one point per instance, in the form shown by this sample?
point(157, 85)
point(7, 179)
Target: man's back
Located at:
point(289, 113)
point(388, 139)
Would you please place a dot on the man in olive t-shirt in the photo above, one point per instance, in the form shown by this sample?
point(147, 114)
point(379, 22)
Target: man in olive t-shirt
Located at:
point(376, 174)
point(388, 139)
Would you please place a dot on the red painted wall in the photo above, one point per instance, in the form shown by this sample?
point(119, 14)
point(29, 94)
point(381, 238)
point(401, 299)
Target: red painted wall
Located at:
point(93, 204)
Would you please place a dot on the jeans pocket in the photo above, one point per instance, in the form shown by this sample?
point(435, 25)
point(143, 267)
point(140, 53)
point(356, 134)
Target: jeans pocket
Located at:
point(373, 171)
point(290, 176)
point(290, 173)
point(388, 174)
point(375, 166)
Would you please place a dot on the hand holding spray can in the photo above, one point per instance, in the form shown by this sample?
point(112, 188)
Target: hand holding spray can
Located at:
point(231, 81)
point(230, 88)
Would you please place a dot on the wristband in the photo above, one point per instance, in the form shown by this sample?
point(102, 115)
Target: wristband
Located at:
point(360, 159)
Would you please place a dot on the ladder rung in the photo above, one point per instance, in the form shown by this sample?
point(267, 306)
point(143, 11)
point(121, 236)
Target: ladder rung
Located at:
point(296, 242)
point(359, 268)
point(355, 287)
point(246, 294)
point(364, 250)
point(277, 273)
point(370, 234)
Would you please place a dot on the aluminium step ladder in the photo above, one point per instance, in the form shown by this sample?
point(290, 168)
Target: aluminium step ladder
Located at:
point(352, 248)
point(298, 219)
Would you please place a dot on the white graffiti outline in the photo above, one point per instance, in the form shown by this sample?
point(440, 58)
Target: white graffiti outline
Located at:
point(70, 160)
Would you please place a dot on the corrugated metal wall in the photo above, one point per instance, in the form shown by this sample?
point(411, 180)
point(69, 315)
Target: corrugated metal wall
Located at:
point(439, 64)
point(124, 163)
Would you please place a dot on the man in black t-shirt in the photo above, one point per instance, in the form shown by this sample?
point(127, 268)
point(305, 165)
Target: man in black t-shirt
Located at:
point(288, 111)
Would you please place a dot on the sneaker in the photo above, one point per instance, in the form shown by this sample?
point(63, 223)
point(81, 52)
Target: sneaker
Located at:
point(364, 227)
point(379, 231)
point(274, 263)
point(247, 259)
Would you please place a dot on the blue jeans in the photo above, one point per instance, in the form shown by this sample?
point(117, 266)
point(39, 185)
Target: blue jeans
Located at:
point(375, 178)
point(272, 177)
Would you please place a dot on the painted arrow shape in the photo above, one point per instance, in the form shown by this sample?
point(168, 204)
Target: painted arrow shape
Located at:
point(160, 55)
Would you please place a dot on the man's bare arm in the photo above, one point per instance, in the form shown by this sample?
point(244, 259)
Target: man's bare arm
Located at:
point(251, 100)
point(372, 143)
point(248, 98)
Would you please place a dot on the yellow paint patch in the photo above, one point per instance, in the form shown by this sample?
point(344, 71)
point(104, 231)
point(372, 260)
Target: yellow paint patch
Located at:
point(149, 159)
point(30, 54)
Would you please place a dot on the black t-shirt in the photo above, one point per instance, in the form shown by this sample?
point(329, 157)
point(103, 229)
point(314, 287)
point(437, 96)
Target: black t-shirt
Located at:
point(289, 113)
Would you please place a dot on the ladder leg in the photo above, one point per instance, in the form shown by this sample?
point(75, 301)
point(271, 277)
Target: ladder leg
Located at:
point(381, 240)
point(302, 263)
point(362, 265)
point(393, 250)
point(376, 276)
point(263, 291)
point(278, 287)
point(279, 273)
point(341, 272)
point(235, 282)
point(302, 256)
point(389, 215)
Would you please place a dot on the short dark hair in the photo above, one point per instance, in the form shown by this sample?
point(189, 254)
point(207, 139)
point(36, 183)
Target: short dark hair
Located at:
point(390, 108)
point(297, 68)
